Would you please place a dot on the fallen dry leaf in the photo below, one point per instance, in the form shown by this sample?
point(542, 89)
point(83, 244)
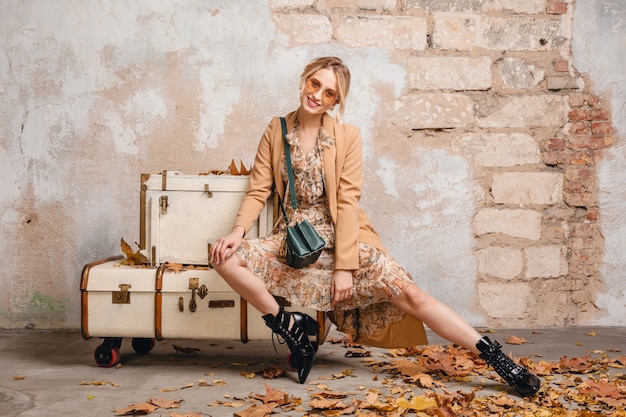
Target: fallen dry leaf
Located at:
point(514, 340)
point(136, 409)
point(132, 257)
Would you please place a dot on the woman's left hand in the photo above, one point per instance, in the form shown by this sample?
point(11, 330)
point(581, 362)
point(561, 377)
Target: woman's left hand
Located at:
point(341, 285)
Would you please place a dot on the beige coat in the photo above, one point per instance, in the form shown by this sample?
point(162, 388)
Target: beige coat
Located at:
point(342, 178)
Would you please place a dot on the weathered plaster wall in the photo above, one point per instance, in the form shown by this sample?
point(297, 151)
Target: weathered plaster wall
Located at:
point(462, 105)
point(600, 50)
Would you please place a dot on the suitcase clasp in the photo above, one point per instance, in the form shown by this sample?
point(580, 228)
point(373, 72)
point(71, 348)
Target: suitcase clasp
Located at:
point(163, 202)
point(122, 296)
point(208, 192)
point(193, 286)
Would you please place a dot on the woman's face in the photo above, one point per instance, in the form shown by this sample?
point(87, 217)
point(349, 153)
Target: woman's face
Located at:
point(319, 92)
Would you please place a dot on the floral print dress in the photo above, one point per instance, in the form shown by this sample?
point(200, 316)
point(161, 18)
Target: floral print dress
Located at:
point(378, 279)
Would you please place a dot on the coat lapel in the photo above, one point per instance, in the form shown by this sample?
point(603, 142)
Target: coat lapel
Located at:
point(330, 165)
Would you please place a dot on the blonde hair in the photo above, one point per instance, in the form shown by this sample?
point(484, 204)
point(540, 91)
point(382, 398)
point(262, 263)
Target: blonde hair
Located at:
point(341, 72)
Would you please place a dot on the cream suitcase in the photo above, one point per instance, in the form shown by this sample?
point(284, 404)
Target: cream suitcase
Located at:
point(182, 214)
point(149, 304)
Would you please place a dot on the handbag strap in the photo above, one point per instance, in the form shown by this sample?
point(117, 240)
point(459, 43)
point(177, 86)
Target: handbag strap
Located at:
point(292, 190)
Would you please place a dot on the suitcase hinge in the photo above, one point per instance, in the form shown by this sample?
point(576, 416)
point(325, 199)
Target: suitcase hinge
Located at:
point(207, 191)
point(163, 202)
point(122, 296)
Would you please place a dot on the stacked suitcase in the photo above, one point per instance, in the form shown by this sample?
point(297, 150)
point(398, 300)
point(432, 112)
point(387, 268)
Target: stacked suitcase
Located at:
point(181, 215)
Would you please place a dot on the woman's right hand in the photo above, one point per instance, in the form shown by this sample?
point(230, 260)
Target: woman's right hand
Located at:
point(224, 247)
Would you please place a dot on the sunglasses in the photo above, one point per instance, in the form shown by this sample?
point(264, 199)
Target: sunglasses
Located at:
point(313, 85)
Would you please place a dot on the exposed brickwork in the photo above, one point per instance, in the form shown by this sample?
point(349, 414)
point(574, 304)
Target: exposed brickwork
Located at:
point(492, 77)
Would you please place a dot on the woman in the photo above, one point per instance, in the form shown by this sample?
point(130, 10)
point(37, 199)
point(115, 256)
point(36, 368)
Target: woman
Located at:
point(366, 292)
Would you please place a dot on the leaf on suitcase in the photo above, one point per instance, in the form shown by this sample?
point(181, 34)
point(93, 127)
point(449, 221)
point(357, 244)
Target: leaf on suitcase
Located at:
point(174, 266)
point(242, 170)
point(132, 257)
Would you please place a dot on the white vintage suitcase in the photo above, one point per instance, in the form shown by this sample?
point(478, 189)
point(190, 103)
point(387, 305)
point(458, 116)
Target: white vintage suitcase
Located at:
point(149, 303)
point(181, 214)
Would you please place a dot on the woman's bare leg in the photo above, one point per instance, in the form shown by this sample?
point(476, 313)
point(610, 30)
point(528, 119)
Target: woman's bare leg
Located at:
point(438, 317)
point(446, 323)
point(295, 328)
point(248, 285)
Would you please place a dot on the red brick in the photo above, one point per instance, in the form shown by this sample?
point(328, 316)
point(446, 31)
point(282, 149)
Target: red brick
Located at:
point(599, 114)
point(579, 128)
point(580, 174)
point(589, 142)
point(601, 128)
point(584, 230)
point(592, 215)
point(579, 114)
point(561, 65)
point(588, 114)
point(576, 99)
point(555, 144)
point(582, 158)
point(592, 100)
point(556, 7)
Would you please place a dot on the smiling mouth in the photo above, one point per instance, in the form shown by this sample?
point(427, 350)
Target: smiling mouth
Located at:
point(313, 103)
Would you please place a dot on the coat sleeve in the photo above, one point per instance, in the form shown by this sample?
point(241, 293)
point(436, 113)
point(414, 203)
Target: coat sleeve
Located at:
point(350, 178)
point(261, 182)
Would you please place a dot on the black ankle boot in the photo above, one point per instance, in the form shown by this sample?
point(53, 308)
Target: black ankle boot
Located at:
point(297, 338)
point(515, 375)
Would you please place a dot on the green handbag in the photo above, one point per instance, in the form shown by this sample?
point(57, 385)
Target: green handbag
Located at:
point(303, 244)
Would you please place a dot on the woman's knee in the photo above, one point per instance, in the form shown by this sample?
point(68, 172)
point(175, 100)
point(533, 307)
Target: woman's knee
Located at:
point(414, 297)
point(228, 267)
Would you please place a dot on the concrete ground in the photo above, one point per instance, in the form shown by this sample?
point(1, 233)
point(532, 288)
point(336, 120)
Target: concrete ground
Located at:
point(42, 372)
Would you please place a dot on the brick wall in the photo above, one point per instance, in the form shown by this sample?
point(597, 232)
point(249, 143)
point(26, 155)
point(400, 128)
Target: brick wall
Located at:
point(492, 80)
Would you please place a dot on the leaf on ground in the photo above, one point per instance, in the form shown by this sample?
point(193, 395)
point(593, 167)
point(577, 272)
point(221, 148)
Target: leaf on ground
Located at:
point(417, 402)
point(19, 377)
point(257, 410)
point(137, 409)
point(271, 395)
point(576, 365)
point(161, 403)
point(600, 389)
point(358, 353)
point(514, 340)
point(186, 350)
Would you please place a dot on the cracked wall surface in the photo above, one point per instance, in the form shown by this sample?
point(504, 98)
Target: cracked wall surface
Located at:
point(492, 137)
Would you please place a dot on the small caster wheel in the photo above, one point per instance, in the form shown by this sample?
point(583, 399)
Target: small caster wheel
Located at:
point(107, 357)
point(143, 345)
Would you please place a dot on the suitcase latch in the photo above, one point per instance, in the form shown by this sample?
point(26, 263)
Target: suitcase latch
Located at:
point(163, 203)
point(207, 191)
point(122, 296)
point(193, 286)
